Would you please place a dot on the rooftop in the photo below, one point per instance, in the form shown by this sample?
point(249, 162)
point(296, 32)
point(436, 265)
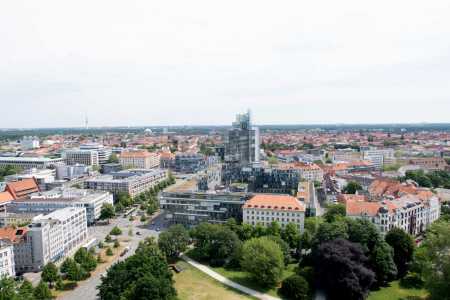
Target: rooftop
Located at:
point(274, 202)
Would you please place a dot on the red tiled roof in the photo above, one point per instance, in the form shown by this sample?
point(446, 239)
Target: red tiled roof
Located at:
point(5, 197)
point(12, 234)
point(275, 202)
point(22, 188)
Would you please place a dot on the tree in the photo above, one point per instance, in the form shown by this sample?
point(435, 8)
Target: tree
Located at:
point(109, 252)
point(144, 275)
point(364, 232)
point(291, 235)
point(274, 229)
point(283, 246)
point(50, 273)
point(352, 187)
point(330, 231)
point(263, 260)
point(116, 244)
point(215, 242)
point(107, 211)
point(42, 292)
point(8, 289)
point(435, 260)
point(173, 241)
point(403, 245)
point(334, 211)
point(113, 158)
point(295, 287)
point(116, 231)
point(341, 271)
point(86, 259)
point(26, 290)
point(382, 263)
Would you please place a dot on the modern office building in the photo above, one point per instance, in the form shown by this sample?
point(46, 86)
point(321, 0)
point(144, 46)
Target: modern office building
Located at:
point(139, 160)
point(7, 267)
point(64, 172)
point(264, 209)
point(50, 201)
point(57, 235)
point(133, 181)
point(191, 207)
point(379, 157)
point(83, 157)
point(242, 141)
point(189, 162)
point(25, 163)
point(104, 153)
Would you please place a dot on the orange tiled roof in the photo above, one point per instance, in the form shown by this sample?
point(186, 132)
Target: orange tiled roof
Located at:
point(22, 188)
point(344, 198)
point(275, 202)
point(5, 197)
point(12, 234)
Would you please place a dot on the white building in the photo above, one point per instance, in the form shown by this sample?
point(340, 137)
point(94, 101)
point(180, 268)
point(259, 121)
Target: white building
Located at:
point(267, 208)
point(29, 143)
point(30, 162)
point(59, 198)
point(379, 157)
point(22, 247)
point(409, 213)
point(57, 235)
point(83, 157)
point(71, 172)
point(311, 172)
point(103, 152)
point(7, 267)
point(139, 159)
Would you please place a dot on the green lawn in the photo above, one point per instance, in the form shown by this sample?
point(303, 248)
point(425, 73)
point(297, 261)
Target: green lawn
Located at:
point(192, 284)
point(395, 292)
point(243, 278)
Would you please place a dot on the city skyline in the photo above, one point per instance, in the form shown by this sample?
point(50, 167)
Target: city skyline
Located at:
point(199, 63)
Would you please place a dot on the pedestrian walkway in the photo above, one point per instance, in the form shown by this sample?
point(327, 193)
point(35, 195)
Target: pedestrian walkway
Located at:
point(226, 281)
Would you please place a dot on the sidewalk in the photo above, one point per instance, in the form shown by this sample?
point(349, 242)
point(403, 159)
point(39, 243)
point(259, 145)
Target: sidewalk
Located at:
point(226, 281)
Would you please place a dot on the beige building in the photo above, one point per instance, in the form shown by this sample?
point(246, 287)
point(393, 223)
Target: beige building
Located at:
point(267, 208)
point(139, 160)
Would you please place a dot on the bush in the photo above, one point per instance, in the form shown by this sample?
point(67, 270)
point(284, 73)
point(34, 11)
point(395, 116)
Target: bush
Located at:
point(308, 274)
point(108, 239)
point(116, 231)
point(295, 288)
point(109, 252)
point(101, 245)
point(116, 244)
point(71, 285)
point(412, 281)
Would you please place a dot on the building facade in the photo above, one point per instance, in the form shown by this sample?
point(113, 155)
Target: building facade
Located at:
point(25, 163)
point(83, 157)
point(264, 209)
point(139, 160)
point(103, 152)
point(7, 267)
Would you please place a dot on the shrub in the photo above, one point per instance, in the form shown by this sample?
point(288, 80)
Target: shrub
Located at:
point(412, 281)
point(109, 252)
point(116, 231)
point(116, 244)
point(295, 288)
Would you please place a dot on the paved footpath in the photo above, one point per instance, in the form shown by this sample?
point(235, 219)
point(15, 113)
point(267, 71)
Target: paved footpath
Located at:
point(226, 281)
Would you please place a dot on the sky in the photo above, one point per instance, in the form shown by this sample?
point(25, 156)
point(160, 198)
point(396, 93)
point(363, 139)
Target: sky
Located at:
point(179, 62)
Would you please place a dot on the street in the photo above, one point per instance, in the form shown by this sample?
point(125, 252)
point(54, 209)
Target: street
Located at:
point(87, 290)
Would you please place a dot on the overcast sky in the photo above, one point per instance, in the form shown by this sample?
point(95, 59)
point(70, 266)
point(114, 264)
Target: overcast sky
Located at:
point(200, 62)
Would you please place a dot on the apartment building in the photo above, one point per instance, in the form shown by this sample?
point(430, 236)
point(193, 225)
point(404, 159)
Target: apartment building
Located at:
point(22, 247)
point(7, 267)
point(430, 163)
point(25, 163)
point(83, 157)
point(310, 172)
point(47, 202)
point(264, 209)
point(139, 159)
point(410, 213)
point(133, 181)
point(57, 235)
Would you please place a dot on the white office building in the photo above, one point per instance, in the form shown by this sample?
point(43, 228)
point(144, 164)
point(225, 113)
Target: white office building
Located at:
point(379, 157)
point(83, 157)
point(59, 198)
point(103, 152)
point(30, 162)
point(57, 235)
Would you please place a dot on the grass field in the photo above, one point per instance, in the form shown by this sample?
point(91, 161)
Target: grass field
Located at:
point(244, 279)
point(395, 292)
point(192, 284)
